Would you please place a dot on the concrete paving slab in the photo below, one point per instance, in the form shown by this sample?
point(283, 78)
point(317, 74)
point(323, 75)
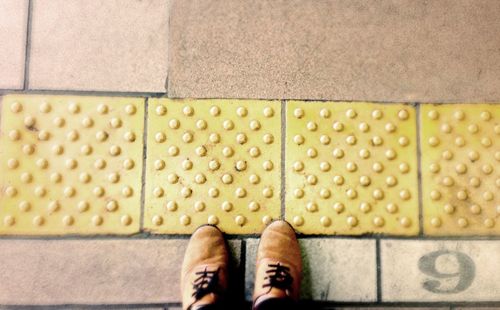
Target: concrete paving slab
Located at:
point(386, 50)
point(93, 272)
point(13, 23)
point(334, 269)
point(430, 271)
point(99, 45)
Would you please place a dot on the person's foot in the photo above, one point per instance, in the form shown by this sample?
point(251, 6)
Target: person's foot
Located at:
point(204, 270)
point(278, 269)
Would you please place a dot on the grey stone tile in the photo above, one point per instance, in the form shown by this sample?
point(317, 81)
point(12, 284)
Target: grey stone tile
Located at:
point(389, 50)
point(334, 269)
point(92, 272)
point(13, 22)
point(102, 45)
point(429, 271)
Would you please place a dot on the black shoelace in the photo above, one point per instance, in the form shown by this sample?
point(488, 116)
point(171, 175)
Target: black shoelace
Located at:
point(206, 283)
point(278, 276)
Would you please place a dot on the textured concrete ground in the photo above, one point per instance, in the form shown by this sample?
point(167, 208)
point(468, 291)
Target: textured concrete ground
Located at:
point(384, 51)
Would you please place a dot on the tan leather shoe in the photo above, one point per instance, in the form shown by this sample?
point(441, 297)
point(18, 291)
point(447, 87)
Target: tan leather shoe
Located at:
point(204, 270)
point(279, 265)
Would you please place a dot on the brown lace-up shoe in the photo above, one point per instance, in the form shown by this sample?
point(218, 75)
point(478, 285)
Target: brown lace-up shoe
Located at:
point(279, 267)
point(204, 270)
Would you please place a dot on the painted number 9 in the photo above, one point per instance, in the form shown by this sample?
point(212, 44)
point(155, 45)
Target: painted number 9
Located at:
point(464, 274)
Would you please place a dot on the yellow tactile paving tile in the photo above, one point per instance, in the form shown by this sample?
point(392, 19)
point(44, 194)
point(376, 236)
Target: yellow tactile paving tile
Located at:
point(460, 169)
point(351, 168)
point(70, 165)
point(212, 161)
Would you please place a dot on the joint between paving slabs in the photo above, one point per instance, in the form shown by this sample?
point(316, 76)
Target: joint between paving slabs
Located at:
point(144, 155)
point(419, 171)
point(283, 158)
point(378, 265)
point(27, 46)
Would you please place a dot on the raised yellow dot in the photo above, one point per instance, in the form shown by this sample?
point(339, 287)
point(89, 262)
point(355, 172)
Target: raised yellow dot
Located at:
point(390, 127)
point(158, 192)
point(324, 166)
point(73, 107)
point(12, 163)
point(446, 128)
point(405, 222)
point(436, 222)
point(377, 114)
point(185, 220)
point(338, 207)
point(171, 206)
point(365, 207)
point(240, 220)
point(268, 138)
point(128, 164)
point(38, 220)
point(97, 220)
point(364, 180)
point(68, 220)
point(459, 115)
point(157, 220)
point(266, 220)
point(9, 220)
point(298, 113)
point(83, 206)
point(26, 177)
point(213, 220)
point(338, 126)
point(350, 113)
point(298, 220)
point(16, 107)
point(433, 141)
point(24, 206)
point(199, 206)
point(14, 135)
point(188, 110)
point(475, 209)
point(253, 206)
point(462, 222)
point(240, 192)
point(433, 114)
point(186, 192)
point(364, 127)
point(391, 208)
point(312, 207)
point(448, 208)
point(45, 107)
point(268, 112)
point(325, 221)
point(352, 221)
point(174, 123)
point(215, 110)
point(298, 193)
point(378, 221)
point(324, 113)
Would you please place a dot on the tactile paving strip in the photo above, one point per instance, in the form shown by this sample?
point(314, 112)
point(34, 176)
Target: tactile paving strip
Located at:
point(460, 160)
point(351, 168)
point(212, 161)
point(70, 165)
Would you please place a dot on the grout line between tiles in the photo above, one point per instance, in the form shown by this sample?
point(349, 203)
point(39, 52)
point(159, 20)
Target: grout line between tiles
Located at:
point(419, 172)
point(283, 158)
point(27, 47)
point(144, 157)
point(379, 270)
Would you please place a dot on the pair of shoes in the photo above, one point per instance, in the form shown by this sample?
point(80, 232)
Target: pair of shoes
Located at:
point(204, 276)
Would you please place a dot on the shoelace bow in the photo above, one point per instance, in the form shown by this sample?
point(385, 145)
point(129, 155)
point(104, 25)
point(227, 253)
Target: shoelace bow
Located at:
point(206, 283)
point(278, 276)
